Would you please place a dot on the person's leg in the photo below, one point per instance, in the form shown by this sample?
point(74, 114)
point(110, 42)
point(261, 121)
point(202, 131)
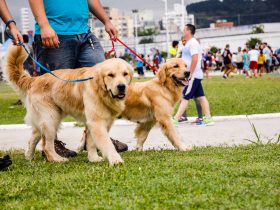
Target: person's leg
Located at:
point(199, 94)
point(63, 57)
point(182, 108)
point(205, 105)
point(198, 108)
point(90, 51)
point(187, 94)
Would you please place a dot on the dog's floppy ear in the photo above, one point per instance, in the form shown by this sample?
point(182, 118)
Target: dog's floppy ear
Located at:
point(131, 71)
point(162, 73)
point(99, 78)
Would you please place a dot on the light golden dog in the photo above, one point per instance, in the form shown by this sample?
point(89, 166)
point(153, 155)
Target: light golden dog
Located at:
point(151, 102)
point(48, 100)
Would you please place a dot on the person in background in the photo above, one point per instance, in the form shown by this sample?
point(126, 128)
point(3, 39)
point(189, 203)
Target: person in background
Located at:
point(192, 55)
point(173, 49)
point(184, 117)
point(8, 20)
point(140, 68)
point(246, 64)
point(157, 59)
point(268, 55)
point(180, 48)
point(261, 63)
point(219, 60)
point(227, 56)
point(254, 57)
point(239, 60)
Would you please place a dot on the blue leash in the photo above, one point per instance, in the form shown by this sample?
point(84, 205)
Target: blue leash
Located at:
point(37, 63)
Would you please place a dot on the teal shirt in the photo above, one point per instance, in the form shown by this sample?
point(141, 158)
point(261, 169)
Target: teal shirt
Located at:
point(66, 17)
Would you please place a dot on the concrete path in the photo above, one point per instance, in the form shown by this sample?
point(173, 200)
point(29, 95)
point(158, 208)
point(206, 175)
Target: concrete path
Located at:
point(227, 131)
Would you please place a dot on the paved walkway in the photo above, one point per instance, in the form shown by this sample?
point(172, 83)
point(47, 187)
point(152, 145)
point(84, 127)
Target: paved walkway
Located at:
point(227, 131)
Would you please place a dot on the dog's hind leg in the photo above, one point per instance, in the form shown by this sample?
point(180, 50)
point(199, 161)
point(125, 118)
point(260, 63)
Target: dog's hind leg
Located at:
point(170, 131)
point(35, 138)
point(51, 119)
point(141, 133)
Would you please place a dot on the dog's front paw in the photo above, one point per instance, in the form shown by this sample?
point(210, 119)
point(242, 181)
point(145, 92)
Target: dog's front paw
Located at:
point(185, 148)
point(95, 159)
point(139, 148)
point(115, 160)
point(60, 160)
point(29, 155)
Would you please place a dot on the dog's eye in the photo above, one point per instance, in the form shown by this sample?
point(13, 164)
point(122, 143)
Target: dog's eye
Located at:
point(176, 66)
point(125, 74)
point(111, 75)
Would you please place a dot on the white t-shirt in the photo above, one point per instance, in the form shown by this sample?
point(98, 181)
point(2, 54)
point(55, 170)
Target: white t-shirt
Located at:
point(254, 55)
point(193, 48)
point(267, 52)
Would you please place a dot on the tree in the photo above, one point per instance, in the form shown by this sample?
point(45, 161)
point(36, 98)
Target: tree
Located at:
point(258, 29)
point(146, 40)
point(214, 49)
point(253, 41)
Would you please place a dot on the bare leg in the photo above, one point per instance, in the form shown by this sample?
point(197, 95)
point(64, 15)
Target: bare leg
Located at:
point(182, 108)
point(198, 108)
point(205, 105)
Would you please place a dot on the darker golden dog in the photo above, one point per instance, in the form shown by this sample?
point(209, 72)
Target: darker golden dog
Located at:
point(151, 102)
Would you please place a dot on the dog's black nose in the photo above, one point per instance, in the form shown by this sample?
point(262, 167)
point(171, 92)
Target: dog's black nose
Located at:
point(121, 87)
point(187, 74)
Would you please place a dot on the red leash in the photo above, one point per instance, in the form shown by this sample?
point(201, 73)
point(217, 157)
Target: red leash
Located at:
point(154, 69)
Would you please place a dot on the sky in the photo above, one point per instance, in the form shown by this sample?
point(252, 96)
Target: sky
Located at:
point(126, 5)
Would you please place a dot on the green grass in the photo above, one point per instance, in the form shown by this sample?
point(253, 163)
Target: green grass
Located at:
point(246, 177)
point(227, 97)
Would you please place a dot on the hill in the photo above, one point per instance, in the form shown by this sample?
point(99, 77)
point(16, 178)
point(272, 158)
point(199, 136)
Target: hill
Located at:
point(241, 12)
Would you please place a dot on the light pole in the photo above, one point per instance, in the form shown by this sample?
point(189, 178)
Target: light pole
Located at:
point(183, 14)
point(166, 26)
point(3, 33)
point(135, 11)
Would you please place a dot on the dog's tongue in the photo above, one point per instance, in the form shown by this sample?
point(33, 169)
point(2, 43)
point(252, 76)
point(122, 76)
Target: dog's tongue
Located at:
point(185, 82)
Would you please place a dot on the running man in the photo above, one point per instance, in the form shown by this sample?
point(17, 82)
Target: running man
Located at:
point(227, 56)
point(192, 55)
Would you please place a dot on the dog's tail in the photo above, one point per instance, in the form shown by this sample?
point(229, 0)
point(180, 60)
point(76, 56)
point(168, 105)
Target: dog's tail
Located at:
point(14, 72)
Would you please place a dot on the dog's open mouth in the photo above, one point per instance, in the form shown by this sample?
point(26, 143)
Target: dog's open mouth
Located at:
point(180, 81)
point(118, 96)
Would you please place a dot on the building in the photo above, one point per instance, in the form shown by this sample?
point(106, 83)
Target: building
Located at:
point(123, 23)
point(174, 18)
point(27, 21)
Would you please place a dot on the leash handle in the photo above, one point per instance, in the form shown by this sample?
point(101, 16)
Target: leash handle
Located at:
point(39, 64)
point(131, 50)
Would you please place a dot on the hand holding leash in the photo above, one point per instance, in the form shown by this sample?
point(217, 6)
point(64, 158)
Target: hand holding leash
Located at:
point(17, 37)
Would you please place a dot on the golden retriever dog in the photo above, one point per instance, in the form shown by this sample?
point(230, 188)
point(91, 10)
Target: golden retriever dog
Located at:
point(151, 102)
point(48, 100)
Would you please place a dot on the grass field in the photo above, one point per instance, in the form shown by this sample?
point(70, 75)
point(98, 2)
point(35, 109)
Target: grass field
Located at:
point(246, 177)
point(227, 97)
